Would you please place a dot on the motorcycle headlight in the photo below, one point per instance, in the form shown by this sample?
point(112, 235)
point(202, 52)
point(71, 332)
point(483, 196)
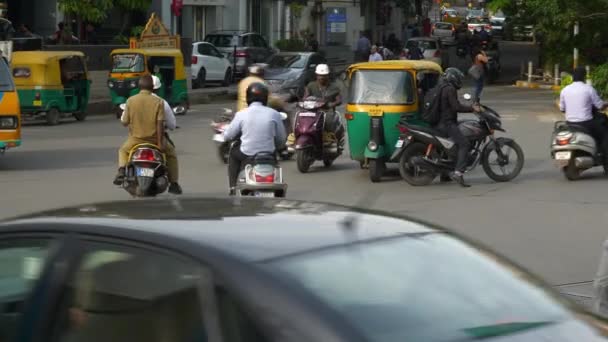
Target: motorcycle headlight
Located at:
point(8, 122)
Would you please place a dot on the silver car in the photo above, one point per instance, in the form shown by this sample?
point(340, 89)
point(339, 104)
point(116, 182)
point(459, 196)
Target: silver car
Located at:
point(445, 32)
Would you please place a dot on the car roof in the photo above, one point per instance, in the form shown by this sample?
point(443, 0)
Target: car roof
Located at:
point(249, 229)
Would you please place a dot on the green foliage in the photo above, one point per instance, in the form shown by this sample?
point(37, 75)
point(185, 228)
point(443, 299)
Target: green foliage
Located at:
point(121, 39)
point(599, 77)
point(136, 31)
point(292, 45)
point(88, 10)
point(133, 5)
point(565, 81)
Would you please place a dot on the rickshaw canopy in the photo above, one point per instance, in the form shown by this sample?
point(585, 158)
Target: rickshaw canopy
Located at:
point(42, 68)
point(395, 65)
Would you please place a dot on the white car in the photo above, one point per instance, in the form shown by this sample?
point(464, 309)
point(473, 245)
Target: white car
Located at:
point(209, 65)
point(446, 32)
point(431, 49)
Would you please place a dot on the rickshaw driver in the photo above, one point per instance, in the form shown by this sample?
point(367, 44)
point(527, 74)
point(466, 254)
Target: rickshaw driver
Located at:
point(145, 116)
point(323, 89)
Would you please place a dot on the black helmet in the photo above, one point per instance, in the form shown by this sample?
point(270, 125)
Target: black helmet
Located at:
point(454, 77)
point(257, 92)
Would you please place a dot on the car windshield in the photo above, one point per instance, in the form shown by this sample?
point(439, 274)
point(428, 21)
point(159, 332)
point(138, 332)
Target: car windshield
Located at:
point(287, 61)
point(423, 44)
point(222, 40)
point(6, 81)
point(443, 26)
point(381, 87)
point(425, 287)
point(128, 62)
point(476, 13)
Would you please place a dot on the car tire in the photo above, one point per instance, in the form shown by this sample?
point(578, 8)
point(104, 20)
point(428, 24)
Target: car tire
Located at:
point(52, 117)
point(200, 79)
point(227, 78)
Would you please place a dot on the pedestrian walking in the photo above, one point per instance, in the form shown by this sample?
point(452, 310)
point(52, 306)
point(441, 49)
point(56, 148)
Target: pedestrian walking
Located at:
point(375, 56)
point(363, 48)
point(477, 72)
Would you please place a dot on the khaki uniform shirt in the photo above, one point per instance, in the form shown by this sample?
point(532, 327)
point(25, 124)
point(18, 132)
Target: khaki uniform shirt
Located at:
point(143, 112)
point(242, 91)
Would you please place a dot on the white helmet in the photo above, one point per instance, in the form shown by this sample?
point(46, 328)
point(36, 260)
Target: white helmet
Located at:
point(322, 70)
point(156, 82)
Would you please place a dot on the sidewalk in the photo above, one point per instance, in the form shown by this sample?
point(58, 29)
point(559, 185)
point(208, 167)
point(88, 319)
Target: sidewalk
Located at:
point(99, 101)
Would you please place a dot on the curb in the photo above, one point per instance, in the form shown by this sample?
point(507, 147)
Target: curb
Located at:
point(535, 85)
point(105, 106)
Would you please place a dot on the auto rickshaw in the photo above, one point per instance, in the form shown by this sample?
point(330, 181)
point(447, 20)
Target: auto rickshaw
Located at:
point(380, 95)
point(10, 113)
point(128, 65)
point(51, 84)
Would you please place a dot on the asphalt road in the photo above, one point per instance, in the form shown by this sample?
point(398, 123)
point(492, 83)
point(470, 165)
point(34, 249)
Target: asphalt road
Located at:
point(540, 220)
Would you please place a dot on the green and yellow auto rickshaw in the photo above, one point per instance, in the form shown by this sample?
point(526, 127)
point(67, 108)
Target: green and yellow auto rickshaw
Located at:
point(128, 65)
point(381, 94)
point(51, 84)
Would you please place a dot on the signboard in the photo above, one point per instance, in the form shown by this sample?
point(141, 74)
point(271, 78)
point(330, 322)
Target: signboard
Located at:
point(336, 22)
point(155, 35)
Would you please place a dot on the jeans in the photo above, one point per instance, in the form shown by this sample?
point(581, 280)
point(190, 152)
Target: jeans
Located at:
point(235, 162)
point(478, 88)
point(462, 143)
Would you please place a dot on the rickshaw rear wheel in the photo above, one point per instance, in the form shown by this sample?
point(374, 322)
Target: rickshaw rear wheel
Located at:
point(52, 117)
point(80, 116)
point(376, 170)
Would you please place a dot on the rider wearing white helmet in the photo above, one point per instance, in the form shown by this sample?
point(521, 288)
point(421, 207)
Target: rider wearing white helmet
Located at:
point(328, 92)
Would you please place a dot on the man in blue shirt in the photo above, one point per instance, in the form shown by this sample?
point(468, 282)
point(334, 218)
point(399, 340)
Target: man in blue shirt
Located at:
point(579, 101)
point(260, 128)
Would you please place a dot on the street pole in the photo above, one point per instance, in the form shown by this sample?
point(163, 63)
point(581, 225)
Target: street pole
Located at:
point(576, 31)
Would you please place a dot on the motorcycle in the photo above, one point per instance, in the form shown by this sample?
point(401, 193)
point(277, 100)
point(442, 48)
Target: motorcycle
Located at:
point(220, 124)
point(423, 153)
point(261, 177)
point(574, 150)
point(146, 174)
point(309, 129)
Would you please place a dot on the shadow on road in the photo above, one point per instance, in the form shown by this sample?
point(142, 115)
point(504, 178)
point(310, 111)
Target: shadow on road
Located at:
point(58, 159)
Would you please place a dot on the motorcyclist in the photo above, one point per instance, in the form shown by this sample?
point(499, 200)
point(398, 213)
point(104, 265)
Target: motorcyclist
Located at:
point(328, 92)
point(256, 75)
point(145, 116)
point(260, 127)
point(578, 101)
point(450, 106)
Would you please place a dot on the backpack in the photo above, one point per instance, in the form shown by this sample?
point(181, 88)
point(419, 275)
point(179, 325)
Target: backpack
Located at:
point(416, 54)
point(431, 108)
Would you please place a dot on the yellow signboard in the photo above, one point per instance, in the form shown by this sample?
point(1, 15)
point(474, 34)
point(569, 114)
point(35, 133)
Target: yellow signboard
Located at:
point(155, 35)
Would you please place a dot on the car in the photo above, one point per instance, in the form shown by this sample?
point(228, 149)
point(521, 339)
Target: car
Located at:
point(497, 27)
point(292, 71)
point(476, 22)
point(475, 13)
point(235, 269)
point(209, 65)
point(246, 48)
point(445, 32)
point(431, 48)
point(516, 29)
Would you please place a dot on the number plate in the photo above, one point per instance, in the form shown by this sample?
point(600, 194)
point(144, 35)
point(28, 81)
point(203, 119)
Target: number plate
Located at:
point(399, 143)
point(264, 194)
point(37, 103)
point(218, 138)
point(564, 155)
point(375, 112)
point(307, 114)
point(145, 172)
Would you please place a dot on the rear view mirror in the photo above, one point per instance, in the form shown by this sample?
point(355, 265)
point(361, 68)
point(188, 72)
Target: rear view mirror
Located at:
point(467, 96)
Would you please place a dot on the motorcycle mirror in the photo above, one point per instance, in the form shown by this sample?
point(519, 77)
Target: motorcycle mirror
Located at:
point(122, 106)
point(467, 96)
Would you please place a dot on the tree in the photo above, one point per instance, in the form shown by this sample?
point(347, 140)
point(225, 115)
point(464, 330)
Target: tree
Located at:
point(94, 11)
point(127, 7)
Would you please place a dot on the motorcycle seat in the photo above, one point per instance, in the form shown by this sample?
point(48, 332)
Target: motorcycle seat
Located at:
point(577, 128)
point(267, 158)
point(428, 130)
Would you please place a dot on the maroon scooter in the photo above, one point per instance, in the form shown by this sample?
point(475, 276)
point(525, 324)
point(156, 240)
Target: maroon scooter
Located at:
point(308, 131)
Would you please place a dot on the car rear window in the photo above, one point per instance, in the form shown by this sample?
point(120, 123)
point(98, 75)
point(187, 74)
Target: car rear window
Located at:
point(222, 40)
point(427, 287)
point(443, 26)
point(478, 21)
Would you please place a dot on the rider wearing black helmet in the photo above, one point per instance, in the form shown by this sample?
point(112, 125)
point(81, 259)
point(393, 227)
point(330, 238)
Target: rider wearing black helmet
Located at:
point(260, 128)
point(448, 124)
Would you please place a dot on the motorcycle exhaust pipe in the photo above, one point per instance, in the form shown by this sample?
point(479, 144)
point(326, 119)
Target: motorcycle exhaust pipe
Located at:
point(584, 162)
point(422, 162)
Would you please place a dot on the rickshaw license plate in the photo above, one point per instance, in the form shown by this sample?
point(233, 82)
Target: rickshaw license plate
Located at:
point(565, 155)
point(375, 112)
point(38, 103)
point(145, 172)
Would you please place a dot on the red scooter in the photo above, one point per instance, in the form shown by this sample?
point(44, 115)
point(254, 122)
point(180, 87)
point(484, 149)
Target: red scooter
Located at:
point(309, 128)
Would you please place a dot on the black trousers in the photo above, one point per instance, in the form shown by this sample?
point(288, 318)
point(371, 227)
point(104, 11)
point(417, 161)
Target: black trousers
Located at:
point(599, 131)
point(235, 161)
point(462, 143)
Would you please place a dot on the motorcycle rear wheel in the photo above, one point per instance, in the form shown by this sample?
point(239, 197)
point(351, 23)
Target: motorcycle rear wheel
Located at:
point(411, 174)
point(571, 172)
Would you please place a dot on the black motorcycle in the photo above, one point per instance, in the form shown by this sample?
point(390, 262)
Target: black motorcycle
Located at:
point(424, 153)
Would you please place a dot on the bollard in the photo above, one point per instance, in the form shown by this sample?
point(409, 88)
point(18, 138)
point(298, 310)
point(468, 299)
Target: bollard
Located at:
point(530, 72)
point(588, 68)
point(556, 78)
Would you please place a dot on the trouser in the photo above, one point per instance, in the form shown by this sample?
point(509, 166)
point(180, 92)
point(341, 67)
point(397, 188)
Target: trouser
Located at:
point(478, 88)
point(599, 131)
point(169, 150)
point(235, 161)
point(462, 143)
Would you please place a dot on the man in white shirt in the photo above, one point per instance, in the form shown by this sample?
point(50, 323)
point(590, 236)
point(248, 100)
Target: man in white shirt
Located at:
point(579, 101)
point(375, 56)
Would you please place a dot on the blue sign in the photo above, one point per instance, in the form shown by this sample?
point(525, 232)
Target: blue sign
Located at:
point(336, 18)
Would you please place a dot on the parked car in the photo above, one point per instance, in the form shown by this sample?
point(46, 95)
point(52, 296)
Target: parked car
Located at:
point(514, 29)
point(195, 269)
point(431, 48)
point(476, 22)
point(287, 71)
point(497, 27)
point(209, 65)
point(251, 48)
point(445, 32)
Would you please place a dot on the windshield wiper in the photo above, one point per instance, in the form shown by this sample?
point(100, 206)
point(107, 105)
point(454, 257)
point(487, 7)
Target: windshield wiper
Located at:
point(488, 331)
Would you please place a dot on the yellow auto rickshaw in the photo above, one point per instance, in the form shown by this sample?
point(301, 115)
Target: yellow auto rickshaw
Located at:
point(381, 94)
point(10, 113)
point(51, 84)
point(128, 65)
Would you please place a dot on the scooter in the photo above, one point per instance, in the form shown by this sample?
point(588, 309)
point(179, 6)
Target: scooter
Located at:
point(220, 124)
point(574, 150)
point(146, 174)
point(261, 177)
point(309, 129)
